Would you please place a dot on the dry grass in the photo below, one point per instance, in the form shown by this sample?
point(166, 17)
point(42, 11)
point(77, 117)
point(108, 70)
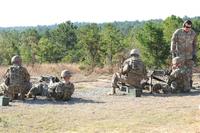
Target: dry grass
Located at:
point(115, 114)
point(54, 69)
point(44, 69)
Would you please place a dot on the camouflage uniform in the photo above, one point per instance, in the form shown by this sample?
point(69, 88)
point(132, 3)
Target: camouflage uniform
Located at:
point(58, 90)
point(178, 79)
point(133, 71)
point(61, 91)
point(3, 89)
point(40, 89)
point(18, 84)
point(184, 45)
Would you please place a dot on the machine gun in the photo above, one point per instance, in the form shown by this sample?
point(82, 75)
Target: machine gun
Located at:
point(158, 76)
point(49, 79)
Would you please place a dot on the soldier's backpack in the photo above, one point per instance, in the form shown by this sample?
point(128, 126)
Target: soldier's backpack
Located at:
point(136, 66)
point(16, 75)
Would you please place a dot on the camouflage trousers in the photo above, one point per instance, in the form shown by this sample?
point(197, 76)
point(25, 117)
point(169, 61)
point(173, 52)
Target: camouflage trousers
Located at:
point(66, 95)
point(43, 90)
point(38, 89)
point(181, 85)
point(3, 89)
point(189, 64)
point(14, 91)
point(118, 79)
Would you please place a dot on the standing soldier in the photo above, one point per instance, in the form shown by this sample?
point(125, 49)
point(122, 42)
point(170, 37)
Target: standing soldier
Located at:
point(58, 90)
point(17, 80)
point(184, 45)
point(132, 72)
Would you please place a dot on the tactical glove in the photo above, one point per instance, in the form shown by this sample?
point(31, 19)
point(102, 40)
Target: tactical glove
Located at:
point(194, 58)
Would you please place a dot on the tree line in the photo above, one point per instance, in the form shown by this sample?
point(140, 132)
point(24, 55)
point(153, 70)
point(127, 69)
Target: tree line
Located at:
point(93, 44)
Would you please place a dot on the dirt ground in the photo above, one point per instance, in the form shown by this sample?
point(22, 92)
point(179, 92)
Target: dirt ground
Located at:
point(92, 110)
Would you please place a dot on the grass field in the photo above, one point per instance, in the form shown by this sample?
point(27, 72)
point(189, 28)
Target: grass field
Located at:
point(92, 111)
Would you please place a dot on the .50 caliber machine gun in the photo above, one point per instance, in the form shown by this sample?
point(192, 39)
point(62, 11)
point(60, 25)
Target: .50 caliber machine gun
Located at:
point(158, 81)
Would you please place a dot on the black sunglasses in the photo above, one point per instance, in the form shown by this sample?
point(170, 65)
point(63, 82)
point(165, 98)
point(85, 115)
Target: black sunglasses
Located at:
point(188, 27)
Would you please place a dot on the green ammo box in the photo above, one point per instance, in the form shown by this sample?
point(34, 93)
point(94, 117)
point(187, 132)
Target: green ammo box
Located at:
point(4, 101)
point(135, 92)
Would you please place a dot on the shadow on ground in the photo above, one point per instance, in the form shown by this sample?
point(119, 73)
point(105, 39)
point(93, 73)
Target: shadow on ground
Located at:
point(193, 92)
point(74, 100)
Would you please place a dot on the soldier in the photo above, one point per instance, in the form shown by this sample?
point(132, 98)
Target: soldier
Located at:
point(132, 72)
point(178, 79)
point(17, 80)
point(58, 90)
point(184, 45)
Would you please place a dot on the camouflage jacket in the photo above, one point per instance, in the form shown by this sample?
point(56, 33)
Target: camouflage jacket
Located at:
point(179, 75)
point(57, 90)
point(134, 70)
point(23, 78)
point(61, 90)
point(184, 44)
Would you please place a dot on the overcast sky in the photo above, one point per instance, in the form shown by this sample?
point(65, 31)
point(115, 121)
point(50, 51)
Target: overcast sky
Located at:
point(46, 12)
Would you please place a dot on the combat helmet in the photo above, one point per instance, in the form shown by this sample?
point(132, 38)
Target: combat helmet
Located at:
point(16, 60)
point(135, 52)
point(65, 73)
point(177, 60)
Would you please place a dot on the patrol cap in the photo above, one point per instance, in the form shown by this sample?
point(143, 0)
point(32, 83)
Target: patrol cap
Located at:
point(135, 52)
point(65, 73)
